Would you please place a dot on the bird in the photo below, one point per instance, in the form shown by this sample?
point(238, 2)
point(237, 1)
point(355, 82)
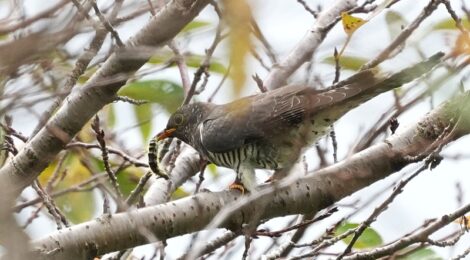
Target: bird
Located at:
point(270, 130)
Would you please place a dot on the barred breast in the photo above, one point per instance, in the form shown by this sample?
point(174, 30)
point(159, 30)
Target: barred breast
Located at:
point(252, 154)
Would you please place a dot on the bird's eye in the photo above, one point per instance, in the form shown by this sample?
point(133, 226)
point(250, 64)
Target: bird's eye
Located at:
point(178, 119)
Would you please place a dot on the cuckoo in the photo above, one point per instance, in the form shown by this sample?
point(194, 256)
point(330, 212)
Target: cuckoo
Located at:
point(270, 130)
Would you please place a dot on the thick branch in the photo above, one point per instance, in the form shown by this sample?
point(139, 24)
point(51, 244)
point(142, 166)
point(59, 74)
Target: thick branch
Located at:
point(101, 89)
point(306, 195)
point(82, 104)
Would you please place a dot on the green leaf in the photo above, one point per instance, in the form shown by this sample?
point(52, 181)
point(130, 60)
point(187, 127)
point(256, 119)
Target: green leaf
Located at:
point(77, 206)
point(86, 76)
point(421, 254)
point(238, 16)
point(128, 179)
point(395, 22)
point(143, 114)
point(179, 193)
point(194, 25)
point(160, 57)
point(192, 60)
point(449, 24)
point(163, 92)
point(347, 62)
point(111, 115)
point(212, 168)
point(368, 239)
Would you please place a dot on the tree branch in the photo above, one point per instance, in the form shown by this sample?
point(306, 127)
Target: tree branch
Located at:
point(303, 51)
point(99, 91)
point(421, 236)
point(83, 103)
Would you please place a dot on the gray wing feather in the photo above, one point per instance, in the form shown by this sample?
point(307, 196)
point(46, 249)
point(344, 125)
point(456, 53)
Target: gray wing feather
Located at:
point(260, 117)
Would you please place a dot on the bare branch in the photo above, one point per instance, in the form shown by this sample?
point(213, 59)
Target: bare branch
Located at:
point(306, 47)
point(100, 90)
point(401, 38)
point(417, 237)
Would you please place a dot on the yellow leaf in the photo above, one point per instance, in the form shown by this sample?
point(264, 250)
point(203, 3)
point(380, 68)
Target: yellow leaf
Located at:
point(238, 16)
point(46, 174)
point(465, 220)
point(462, 45)
point(351, 23)
point(86, 134)
point(77, 206)
point(179, 193)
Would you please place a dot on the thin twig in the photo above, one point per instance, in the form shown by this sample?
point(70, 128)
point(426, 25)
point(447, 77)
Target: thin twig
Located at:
point(216, 243)
point(307, 8)
point(458, 21)
point(336, 79)
point(378, 210)
point(131, 100)
point(106, 209)
point(79, 187)
point(118, 152)
point(221, 83)
point(206, 61)
point(463, 255)
point(401, 38)
point(104, 153)
point(107, 24)
point(417, 237)
point(50, 205)
point(138, 189)
point(80, 67)
point(4, 30)
point(297, 226)
point(181, 64)
point(55, 175)
point(259, 34)
point(10, 131)
point(33, 216)
point(201, 176)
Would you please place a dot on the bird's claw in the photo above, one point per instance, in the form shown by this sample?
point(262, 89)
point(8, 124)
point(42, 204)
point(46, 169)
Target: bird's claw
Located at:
point(237, 186)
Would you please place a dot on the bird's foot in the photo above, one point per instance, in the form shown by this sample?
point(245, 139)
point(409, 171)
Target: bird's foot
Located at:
point(238, 186)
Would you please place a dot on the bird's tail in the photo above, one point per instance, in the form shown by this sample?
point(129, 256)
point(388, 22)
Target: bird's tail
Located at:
point(406, 75)
point(367, 84)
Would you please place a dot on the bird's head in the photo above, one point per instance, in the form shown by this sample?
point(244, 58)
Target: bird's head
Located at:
point(184, 122)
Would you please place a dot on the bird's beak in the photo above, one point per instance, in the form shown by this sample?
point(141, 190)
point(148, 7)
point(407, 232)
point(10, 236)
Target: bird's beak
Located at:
point(165, 134)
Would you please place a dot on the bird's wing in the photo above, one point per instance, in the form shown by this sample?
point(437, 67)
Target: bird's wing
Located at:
point(226, 128)
point(263, 116)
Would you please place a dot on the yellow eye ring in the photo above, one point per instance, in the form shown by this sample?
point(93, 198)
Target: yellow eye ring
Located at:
point(178, 119)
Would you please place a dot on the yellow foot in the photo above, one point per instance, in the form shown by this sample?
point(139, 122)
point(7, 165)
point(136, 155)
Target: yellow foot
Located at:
point(237, 186)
